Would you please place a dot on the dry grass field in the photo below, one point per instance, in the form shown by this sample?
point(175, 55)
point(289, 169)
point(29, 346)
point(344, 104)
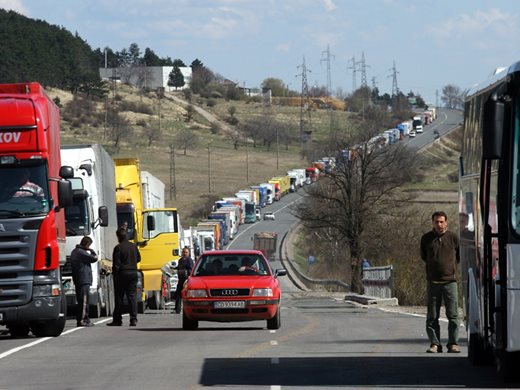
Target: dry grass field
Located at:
point(210, 170)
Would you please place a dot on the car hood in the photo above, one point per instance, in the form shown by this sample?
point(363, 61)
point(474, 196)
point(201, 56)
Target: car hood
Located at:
point(211, 282)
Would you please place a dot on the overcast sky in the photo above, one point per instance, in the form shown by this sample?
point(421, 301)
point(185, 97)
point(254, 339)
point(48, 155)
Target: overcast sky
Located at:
point(433, 42)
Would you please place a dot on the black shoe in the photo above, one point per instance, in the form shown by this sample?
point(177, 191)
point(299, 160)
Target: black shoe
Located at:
point(88, 324)
point(133, 323)
point(113, 323)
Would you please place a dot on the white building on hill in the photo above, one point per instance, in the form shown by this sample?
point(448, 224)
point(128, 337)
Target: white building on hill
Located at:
point(150, 77)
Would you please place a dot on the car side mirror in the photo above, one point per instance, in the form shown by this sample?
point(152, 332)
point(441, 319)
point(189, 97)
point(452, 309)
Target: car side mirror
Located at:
point(280, 272)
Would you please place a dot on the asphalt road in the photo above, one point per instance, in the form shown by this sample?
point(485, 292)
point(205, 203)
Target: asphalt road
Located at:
point(324, 342)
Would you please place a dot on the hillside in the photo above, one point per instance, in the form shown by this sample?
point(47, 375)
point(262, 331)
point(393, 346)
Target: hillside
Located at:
point(230, 169)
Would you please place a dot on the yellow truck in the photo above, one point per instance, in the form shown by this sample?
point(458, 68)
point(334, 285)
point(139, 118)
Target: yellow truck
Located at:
point(154, 228)
point(284, 184)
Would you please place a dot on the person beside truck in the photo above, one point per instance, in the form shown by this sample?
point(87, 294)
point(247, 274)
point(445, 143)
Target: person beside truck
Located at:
point(80, 259)
point(125, 258)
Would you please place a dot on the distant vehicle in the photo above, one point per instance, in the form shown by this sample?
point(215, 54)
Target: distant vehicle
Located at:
point(269, 216)
point(241, 287)
point(411, 133)
point(258, 214)
point(417, 124)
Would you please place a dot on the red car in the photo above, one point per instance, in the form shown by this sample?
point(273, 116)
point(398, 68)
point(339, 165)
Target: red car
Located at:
point(231, 286)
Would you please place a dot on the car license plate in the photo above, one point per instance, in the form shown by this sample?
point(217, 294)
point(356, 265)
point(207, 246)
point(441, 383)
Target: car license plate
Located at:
point(230, 304)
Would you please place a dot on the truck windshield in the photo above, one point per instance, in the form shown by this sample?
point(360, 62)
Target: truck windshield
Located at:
point(24, 190)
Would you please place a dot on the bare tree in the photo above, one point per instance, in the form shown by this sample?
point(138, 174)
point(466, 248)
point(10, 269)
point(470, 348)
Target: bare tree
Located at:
point(235, 138)
point(359, 192)
point(452, 97)
point(186, 139)
point(188, 116)
point(121, 128)
point(152, 133)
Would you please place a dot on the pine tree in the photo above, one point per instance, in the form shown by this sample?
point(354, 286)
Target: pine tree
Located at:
point(176, 79)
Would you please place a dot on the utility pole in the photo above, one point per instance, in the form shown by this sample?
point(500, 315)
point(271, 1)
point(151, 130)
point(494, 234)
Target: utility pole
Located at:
point(305, 105)
point(247, 161)
point(173, 187)
point(327, 60)
point(364, 67)
point(395, 88)
point(354, 70)
point(436, 98)
point(209, 168)
point(277, 149)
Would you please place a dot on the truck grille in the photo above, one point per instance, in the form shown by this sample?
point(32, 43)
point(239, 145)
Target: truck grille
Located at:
point(16, 263)
point(230, 292)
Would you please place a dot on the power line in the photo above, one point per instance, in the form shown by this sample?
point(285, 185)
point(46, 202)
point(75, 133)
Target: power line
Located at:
point(327, 60)
point(305, 108)
point(354, 70)
point(364, 67)
point(395, 88)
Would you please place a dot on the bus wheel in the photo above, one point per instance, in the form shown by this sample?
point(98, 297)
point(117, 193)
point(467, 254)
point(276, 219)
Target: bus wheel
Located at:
point(477, 354)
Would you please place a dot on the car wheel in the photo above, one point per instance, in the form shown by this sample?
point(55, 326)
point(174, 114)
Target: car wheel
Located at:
point(276, 321)
point(188, 324)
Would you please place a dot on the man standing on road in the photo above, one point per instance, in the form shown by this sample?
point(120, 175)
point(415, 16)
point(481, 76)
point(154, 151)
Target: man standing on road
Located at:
point(80, 259)
point(184, 267)
point(440, 252)
point(125, 259)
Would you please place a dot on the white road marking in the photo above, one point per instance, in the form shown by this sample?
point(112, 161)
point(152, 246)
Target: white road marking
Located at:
point(274, 342)
point(43, 339)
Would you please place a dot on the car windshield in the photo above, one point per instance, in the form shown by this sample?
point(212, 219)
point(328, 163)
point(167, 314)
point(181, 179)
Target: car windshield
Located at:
point(232, 264)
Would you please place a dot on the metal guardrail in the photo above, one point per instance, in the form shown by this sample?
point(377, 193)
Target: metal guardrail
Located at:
point(379, 281)
point(329, 285)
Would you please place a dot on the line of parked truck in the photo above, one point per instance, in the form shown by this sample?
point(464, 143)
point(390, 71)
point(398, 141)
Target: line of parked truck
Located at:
point(86, 192)
point(83, 193)
point(243, 207)
point(409, 128)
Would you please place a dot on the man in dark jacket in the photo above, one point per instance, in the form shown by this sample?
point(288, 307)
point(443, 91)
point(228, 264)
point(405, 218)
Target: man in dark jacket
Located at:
point(440, 252)
point(124, 267)
point(80, 259)
point(184, 268)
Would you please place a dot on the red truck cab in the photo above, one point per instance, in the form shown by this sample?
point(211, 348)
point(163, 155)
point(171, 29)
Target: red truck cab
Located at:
point(32, 225)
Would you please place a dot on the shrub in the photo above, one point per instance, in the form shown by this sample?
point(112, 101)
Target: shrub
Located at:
point(211, 102)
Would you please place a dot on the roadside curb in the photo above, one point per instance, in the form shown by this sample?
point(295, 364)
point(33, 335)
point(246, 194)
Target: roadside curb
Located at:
point(369, 301)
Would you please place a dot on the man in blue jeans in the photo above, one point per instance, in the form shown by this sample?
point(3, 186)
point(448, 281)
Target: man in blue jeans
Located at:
point(440, 252)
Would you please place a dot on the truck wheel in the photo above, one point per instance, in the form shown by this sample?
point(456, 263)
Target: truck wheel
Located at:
point(188, 324)
point(18, 330)
point(276, 321)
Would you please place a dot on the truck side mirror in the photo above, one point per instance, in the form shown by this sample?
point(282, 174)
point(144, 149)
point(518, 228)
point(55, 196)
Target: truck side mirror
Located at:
point(103, 216)
point(150, 222)
point(66, 172)
point(64, 193)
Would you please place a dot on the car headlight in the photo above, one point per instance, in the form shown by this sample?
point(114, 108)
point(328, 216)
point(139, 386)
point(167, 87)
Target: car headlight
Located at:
point(196, 294)
point(262, 292)
point(46, 290)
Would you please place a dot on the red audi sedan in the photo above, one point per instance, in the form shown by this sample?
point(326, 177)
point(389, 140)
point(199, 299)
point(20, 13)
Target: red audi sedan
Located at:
point(232, 286)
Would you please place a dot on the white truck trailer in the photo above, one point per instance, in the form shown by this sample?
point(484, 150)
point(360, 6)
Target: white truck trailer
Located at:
point(92, 214)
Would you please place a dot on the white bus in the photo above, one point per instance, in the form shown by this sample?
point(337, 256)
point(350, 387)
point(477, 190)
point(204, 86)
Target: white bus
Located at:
point(489, 210)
